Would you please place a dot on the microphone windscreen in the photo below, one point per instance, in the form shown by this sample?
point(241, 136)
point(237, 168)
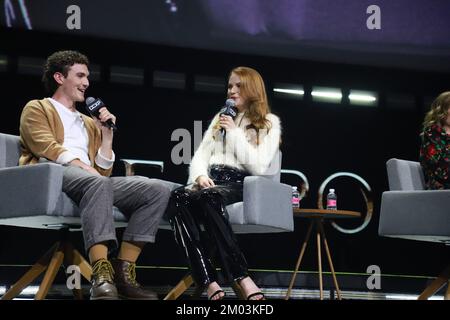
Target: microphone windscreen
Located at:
point(230, 103)
point(89, 100)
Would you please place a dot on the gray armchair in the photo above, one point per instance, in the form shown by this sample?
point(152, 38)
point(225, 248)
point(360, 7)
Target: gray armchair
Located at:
point(410, 212)
point(266, 205)
point(266, 208)
point(31, 197)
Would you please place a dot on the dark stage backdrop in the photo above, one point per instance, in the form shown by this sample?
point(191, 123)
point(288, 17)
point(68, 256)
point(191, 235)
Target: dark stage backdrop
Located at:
point(318, 138)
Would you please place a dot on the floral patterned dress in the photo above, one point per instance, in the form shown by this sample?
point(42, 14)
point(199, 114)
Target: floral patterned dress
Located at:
point(434, 157)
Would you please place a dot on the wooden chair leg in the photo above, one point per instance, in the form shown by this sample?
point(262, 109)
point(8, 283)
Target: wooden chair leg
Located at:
point(330, 261)
point(39, 267)
point(299, 260)
point(436, 285)
point(319, 259)
point(73, 257)
point(50, 274)
point(180, 288)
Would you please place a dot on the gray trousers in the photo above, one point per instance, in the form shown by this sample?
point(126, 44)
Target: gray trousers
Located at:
point(142, 200)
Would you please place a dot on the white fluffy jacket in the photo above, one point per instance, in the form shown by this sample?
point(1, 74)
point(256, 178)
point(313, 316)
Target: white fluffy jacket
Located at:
point(241, 149)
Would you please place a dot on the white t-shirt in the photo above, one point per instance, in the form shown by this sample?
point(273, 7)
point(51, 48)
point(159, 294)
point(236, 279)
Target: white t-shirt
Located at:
point(76, 139)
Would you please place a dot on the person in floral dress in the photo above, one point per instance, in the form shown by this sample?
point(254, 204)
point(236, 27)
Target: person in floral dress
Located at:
point(435, 151)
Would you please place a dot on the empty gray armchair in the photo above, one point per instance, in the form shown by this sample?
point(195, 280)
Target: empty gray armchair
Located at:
point(410, 212)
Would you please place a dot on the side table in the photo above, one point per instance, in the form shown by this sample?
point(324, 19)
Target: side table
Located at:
point(317, 217)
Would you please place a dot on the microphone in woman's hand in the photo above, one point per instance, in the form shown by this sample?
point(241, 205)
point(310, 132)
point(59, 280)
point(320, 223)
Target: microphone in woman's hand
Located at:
point(229, 110)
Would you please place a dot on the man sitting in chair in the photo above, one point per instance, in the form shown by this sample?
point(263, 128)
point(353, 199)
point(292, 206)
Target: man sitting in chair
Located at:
point(53, 129)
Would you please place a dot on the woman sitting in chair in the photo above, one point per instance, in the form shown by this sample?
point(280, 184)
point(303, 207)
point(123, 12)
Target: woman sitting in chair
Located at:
point(435, 149)
point(231, 149)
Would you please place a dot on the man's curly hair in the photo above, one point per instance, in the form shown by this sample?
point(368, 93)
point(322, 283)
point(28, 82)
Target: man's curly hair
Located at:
point(60, 61)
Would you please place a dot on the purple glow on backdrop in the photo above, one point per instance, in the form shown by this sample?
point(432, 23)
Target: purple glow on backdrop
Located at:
point(321, 30)
point(418, 22)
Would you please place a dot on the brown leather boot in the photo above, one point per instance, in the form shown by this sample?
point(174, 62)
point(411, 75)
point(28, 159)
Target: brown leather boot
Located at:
point(127, 286)
point(103, 287)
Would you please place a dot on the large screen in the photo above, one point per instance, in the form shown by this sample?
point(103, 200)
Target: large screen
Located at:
point(396, 32)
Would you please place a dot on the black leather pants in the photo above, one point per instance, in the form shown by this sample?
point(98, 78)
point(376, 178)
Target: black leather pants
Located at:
point(200, 223)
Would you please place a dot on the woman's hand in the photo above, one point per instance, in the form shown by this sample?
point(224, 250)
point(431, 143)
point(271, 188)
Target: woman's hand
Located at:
point(204, 182)
point(227, 122)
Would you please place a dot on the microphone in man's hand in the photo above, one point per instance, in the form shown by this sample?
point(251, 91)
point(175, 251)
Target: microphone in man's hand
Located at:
point(229, 110)
point(93, 106)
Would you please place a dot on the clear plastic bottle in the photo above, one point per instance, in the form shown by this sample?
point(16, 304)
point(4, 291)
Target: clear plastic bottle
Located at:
point(331, 200)
point(295, 198)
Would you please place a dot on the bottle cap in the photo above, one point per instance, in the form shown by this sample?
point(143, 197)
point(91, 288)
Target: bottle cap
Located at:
point(294, 188)
point(332, 190)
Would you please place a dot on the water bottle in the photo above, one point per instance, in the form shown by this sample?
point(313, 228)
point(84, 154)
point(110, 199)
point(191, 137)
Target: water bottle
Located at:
point(295, 198)
point(331, 200)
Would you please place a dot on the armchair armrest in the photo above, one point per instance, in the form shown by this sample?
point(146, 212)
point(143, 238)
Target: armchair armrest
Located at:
point(267, 202)
point(424, 201)
point(30, 190)
point(130, 165)
point(423, 212)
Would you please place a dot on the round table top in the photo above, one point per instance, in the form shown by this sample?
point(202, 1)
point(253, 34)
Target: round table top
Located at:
point(325, 214)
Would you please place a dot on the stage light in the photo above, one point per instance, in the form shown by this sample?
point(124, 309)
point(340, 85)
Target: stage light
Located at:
point(363, 98)
point(290, 91)
point(323, 94)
